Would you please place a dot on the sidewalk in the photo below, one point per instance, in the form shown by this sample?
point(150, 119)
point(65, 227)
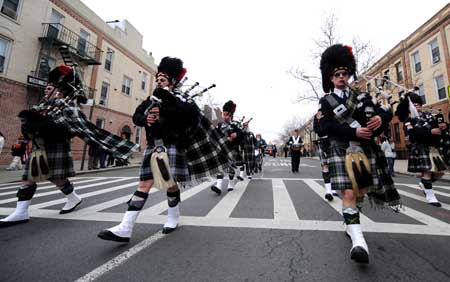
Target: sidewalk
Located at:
point(16, 175)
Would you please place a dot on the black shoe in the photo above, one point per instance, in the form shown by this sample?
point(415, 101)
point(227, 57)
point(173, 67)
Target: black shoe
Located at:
point(12, 223)
point(240, 178)
point(437, 204)
point(334, 193)
point(71, 210)
point(329, 197)
point(230, 189)
point(109, 236)
point(167, 230)
point(360, 255)
point(216, 189)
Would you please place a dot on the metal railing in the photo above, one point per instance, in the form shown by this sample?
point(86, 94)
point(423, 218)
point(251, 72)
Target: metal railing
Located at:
point(61, 35)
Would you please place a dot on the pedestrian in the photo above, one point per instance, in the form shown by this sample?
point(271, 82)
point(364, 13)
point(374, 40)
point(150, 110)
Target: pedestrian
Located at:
point(18, 150)
point(2, 142)
point(94, 156)
point(295, 144)
point(388, 152)
point(351, 121)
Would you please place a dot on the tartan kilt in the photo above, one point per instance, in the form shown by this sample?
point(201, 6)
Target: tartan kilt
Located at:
point(419, 158)
point(378, 165)
point(248, 150)
point(207, 153)
point(60, 162)
point(177, 163)
point(324, 151)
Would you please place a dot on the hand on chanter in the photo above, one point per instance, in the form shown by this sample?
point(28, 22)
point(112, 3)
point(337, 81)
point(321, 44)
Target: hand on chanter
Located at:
point(374, 123)
point(436, 131)
point(363, 132)
point(167, 98)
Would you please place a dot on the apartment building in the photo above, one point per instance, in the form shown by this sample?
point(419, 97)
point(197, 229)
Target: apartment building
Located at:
point(37, 35)
point(420, 60)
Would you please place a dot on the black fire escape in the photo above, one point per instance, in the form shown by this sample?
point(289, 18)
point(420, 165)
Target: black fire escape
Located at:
point(73, 49)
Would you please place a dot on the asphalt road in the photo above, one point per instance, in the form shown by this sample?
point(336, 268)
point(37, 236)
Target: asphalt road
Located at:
point(275, 227)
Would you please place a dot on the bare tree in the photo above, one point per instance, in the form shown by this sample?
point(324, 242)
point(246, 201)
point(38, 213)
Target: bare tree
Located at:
point(363, 51)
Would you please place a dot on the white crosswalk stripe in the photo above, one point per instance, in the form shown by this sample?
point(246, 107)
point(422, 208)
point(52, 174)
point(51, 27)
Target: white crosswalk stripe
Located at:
point(285, 214)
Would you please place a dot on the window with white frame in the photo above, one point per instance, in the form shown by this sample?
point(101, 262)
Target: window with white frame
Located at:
point(416, 62)
point(434, 49)
point(100, 122)
point(4, 52)
point(104, 94)
point(126, 85)
point(144, 81)
point(10, 8)
point(368, 86)
point(109, 59)
point(45, 65)
point(399, 71)
point(138, 135)
point(440, 87)
point(422, 93)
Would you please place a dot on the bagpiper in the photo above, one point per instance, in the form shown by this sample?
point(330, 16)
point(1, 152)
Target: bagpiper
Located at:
point(357, 165)
point(183, 148)
point(424, 134)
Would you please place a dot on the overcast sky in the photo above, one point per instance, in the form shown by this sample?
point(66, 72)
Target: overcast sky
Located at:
point(247, 47)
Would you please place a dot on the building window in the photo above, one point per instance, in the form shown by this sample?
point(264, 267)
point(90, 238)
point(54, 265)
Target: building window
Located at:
point(45, 65)
point(422, 93)
point(104, 94)
point(144, 81)
point(396, 133)
point(440, 87)
point(399, 71)
point(4, 50)
point(416, 61)
point(82, 42)
point(108, 59)
point(368, 87)
point(10, 8)
point(100, 123)
point(434, 48)
point(138, 135)
point(126, 85)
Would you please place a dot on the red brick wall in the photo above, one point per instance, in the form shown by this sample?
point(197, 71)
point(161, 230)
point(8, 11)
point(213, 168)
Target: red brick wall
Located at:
point(14, 97)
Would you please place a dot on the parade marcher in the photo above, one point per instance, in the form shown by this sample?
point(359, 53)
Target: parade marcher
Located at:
point(259, 152)
point(295, 144)
point(424, 134)
point(356, 163)
point(324, 152)
point(248, 146)
point(444, 140)
point(18, 151)
point(234, 136)
point(285, 150)
point(50, 125)
point(182, 147)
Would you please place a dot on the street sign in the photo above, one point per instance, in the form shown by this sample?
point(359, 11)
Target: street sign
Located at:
point(90, 102)
point(36, 81)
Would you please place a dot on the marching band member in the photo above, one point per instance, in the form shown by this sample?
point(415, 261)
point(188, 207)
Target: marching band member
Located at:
point(234, 136)
point(351, 121)
point(444, 140)
point(248, 148)
point(424, 134)
point(324, 152)
point(183, 146)
point(295, 144)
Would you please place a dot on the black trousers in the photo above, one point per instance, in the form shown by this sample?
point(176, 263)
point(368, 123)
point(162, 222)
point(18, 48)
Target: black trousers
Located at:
point(295, 160)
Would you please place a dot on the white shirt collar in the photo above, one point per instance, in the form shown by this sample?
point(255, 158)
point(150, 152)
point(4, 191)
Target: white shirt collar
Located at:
point(340, 92)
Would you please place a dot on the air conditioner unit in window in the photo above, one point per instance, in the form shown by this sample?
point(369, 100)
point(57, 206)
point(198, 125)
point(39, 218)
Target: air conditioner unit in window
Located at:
point(436, 59)
point(9, 12)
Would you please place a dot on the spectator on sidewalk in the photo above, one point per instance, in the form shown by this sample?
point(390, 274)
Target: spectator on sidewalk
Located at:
point(387, 148)
point(17, 151)
point(2, 142)
point(94, 156)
